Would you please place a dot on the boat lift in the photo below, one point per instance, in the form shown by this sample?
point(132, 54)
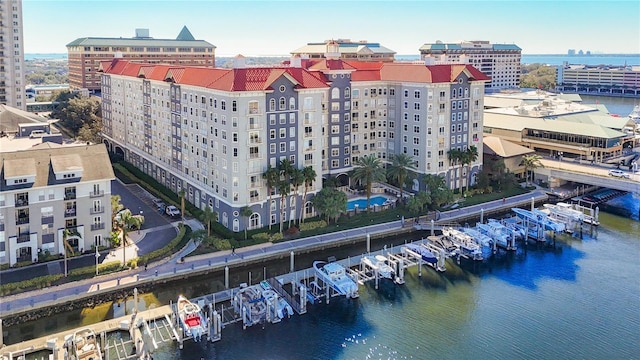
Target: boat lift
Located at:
point(439, 265)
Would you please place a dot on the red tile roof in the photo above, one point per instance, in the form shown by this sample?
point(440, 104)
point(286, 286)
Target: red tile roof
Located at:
point(428, 73)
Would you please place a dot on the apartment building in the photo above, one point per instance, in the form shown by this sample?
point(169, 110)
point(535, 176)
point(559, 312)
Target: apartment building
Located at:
point(500, 62)
point(347, 50)
point(603, 80)
point(11, 55)
point(213, 132)
point(48, 188)
point(85, 54)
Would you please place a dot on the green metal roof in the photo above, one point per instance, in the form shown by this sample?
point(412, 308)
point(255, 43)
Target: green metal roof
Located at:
point(98, 41)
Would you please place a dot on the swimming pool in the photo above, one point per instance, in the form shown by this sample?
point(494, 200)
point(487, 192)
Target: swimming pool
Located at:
point(362, 202)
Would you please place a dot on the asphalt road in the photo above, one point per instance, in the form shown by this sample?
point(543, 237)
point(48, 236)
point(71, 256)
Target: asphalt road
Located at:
point(159, 233)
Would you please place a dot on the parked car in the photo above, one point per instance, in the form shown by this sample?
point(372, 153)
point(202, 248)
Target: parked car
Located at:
point(172, 211)
point(160, 205)
point(37, 134)
point(618, 173)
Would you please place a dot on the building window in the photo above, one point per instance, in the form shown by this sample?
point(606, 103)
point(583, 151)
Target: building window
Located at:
point(272, 105)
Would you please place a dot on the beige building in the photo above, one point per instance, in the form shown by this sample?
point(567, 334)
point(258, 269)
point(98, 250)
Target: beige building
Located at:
point(347, 50)
point(85, 54)
point(48, 188)
point(495, 148)
point(12, 83)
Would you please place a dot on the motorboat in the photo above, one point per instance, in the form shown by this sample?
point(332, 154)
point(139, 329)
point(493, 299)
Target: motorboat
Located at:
point(479, 237)
point(381, 264)
point(468, 247)
point(635, 114)
point(564, 213)
point(500, 234)
point(539, 218)
point(249, 302)
point(514, 224)
point(426, 254)
point(83, 345)
point(191, 318)
point(335, 276)
point(277, 304)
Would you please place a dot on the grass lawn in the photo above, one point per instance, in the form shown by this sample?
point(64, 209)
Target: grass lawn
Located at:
point(482, 198)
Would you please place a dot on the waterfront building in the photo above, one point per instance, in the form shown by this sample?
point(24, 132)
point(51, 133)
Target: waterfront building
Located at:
point(34, 91)
point(599, 80)
point(347, 50)
point(213, 132)
point(500, 62)
point(85, 54)
point(496, 149)
point(559, 127)
point(11, 54)
point(48, 188)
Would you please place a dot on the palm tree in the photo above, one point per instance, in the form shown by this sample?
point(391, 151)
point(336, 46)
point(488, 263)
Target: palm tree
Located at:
point(271, 176)
point(116, 206)
point(471, 155)
point(245, 212)
point(208, 217)
point(309, 176)
point(126, 222)
point(368, 170)
point(455, 157)
point(297, 179)
point(530, 162)
point(284, 187)
point(181, 194)
point(66, 233)
point(401, 169)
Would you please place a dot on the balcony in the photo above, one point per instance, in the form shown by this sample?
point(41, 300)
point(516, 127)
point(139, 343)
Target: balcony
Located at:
point(308, 135)
point(254, 126)
point(23, 238)
point(21, 220)
point(308, 148)
point(309, 162)
point(96, 210)
point(95, 194)
point(253, 185)
point(253, 111)
point(254, 156)
point(255, 199)
point(97, 226)
point(70, 212)
point(255, 141)
point(22, 201)
point(70, 195)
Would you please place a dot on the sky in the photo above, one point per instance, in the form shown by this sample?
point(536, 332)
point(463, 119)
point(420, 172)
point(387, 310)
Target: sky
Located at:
point(266, 28)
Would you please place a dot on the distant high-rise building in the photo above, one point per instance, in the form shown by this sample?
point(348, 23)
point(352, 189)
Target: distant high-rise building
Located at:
point(501, 62)
point(85, 54)
point(347, 50)
point(571, 52)
point(11, 54)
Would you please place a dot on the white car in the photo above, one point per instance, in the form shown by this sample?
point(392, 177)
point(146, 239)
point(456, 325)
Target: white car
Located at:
point(172, 211)
point(618, 173)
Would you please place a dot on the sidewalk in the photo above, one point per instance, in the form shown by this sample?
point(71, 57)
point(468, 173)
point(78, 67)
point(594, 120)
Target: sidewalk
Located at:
point(168, 267)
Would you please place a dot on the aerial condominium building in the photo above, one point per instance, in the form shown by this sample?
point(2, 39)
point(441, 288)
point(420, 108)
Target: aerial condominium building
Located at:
point(621, 81)
point(500, 62)
point(214, 132)
point(48, 188)
point(347, 50)
point(11, 55)
point(85, 54)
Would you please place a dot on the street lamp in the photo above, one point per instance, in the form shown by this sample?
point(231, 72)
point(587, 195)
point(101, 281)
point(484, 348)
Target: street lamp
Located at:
point(97, 257)
point(559, 158)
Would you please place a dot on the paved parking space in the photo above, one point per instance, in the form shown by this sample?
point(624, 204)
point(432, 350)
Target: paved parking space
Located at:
point(137, 199)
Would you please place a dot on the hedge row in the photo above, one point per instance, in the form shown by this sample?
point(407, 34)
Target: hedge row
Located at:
point(183, 234)
point(31, 284)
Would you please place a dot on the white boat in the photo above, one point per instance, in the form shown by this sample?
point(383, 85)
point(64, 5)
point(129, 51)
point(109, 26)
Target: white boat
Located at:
point(501, 235)
point(191, 318)
point(336, 277)
point(277, 304)
point(635, 114)
point(468, 247)
point(479, 237)
point(539, 218)
point(83, 345)
point(380, 263)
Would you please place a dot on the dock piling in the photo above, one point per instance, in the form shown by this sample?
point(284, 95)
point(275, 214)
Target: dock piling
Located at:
point(226, 277)
point(291, 263)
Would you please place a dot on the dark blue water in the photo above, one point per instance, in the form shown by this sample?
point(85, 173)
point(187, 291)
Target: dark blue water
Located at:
point(578, 299)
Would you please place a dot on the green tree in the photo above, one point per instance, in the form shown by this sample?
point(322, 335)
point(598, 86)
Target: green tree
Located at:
point(284, 188)
point(181, 194)
point(538, 76)
point(91, 132)
point(471, 155)
point(401, 169)
point(368, 170)
point(245, 212)
point(66, 234)
point(297, 179)
point(414, 205)
point(116, 207)
point(438, 190)
point(455, 158)
point(330, 202)
point(127, 222)
point(271, 177)
point(309, 175)
point(530, 163)
point(77, 112)
point(208, 217)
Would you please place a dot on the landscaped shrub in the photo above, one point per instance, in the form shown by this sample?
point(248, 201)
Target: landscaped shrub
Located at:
point(221, 244)
point(312, 225)
point(262, 237)
point(183, 236)
point(275, 237)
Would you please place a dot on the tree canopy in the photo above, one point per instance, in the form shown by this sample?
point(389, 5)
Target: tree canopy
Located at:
point(330, 202)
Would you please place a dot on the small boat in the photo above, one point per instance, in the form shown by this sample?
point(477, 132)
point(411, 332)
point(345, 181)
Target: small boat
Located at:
point(479, 237)
point(336, 277)
point(191, 318)
point(83, 345)
point(501, 235)
point(539, 218)
point(274, 300)
point(426, 254)
point(635, 114)
point(284, 309)
point(468, 247)
point(380, 263)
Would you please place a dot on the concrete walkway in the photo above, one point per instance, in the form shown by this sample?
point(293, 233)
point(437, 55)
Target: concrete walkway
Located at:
point(46, 297)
